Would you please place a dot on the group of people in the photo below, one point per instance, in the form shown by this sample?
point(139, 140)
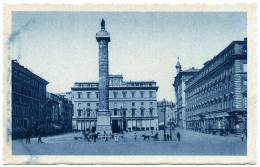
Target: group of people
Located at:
point(29, 134)
point(92, 135)
point(88, 135)
point(167, 137)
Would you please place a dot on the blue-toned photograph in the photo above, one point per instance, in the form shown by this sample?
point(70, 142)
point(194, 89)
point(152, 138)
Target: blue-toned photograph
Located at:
point(128, 83)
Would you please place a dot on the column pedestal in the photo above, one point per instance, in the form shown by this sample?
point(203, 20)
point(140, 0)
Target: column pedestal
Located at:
point(103, 122)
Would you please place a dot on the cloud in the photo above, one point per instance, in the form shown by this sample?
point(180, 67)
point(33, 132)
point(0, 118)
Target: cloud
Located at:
point(24, 27)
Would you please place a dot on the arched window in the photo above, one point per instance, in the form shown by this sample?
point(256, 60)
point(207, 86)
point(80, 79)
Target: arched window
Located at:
point(115, 112)
point(151, 111)
point(133, 112)
point(142, 112)
point(88, 113)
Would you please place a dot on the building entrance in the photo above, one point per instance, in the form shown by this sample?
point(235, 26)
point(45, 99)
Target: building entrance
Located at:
point(124, 124)
point(115, 126)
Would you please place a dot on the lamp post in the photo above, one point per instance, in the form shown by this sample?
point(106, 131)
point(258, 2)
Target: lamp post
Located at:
point(84, 114)
point(53, 114)
point(164, 115)
point(122, 124)
point(171, 120)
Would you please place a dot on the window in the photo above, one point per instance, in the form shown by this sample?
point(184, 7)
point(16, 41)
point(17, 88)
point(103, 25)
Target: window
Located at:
point(151, 112)
point(88, 95)
point(150, 94)
point(97, 104)
point(97, 95)
point(245, 101)
point(79, 113)
point(88, 104)
point(245, 82)
point(79, 105)
point(15, 73)
point(142, 112)
point(133, 104)
point(133, 94)
point(142, 103)
point(79, 95)
point(115, 94)
point(88, 113)
point(124, 94)
point(151, 103)
point(142, 94)
point(115, 112)
point(245, 67)
point(133, 112)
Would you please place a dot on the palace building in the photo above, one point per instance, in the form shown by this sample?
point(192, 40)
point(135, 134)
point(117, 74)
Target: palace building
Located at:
point(28, 100)
point(132, 105)
point(216, 96)
point(179, 87)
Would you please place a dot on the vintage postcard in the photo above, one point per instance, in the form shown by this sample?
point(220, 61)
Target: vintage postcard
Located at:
point(129, 84)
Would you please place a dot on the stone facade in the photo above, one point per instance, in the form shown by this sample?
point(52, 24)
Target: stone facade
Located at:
point(179, 87)
point(28, 100)
point(59, 110)
point(217, 95)
point(132, 104)
point(170, 114)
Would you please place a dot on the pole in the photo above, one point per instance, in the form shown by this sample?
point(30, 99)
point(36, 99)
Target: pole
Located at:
point(164, 114)
point(84, 119)
point(171, 121)
point(122, 124)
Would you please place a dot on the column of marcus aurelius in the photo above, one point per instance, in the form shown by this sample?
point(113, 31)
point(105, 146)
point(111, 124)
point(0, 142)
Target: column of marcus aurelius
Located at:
point(103, 114)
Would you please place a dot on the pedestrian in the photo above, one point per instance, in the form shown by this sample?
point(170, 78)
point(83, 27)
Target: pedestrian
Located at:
point(95, 136)
point(28, 136)
point(105, 136)
point(116, 138)
point(40, 137)
point(167, 137)
point(135, 136)
point(178, 136)
point(242, 137)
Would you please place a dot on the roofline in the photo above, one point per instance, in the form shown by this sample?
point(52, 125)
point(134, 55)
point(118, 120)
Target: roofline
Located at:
point(116, 88)
point(26, 70)
point(220, 53)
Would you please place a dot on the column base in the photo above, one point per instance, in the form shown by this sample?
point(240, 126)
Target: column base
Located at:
point(104, 128)
point(103, 122)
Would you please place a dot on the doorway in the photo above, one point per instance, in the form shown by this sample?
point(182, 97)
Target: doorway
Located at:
point(115, 126)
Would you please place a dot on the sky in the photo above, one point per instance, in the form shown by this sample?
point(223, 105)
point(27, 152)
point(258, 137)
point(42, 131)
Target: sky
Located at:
point(61, 46)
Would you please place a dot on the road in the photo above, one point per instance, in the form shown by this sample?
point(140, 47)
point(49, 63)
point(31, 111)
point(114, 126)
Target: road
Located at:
point(192, 143)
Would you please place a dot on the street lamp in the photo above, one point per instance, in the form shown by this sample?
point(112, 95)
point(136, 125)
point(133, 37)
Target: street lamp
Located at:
point(122, 124)
point(171, 120)
point(53, 114)
point(84, 114)
point(164, 115)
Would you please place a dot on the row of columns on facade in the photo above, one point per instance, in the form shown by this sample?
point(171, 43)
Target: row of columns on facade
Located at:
point(88, 124)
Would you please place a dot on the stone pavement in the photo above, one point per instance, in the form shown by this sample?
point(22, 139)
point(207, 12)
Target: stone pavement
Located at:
point(192, 143)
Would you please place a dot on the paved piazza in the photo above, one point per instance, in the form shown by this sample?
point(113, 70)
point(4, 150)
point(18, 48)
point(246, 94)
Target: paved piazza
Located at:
point(192, 143)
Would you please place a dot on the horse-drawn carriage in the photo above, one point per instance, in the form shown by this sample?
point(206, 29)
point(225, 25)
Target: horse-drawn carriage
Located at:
point(154, 137)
